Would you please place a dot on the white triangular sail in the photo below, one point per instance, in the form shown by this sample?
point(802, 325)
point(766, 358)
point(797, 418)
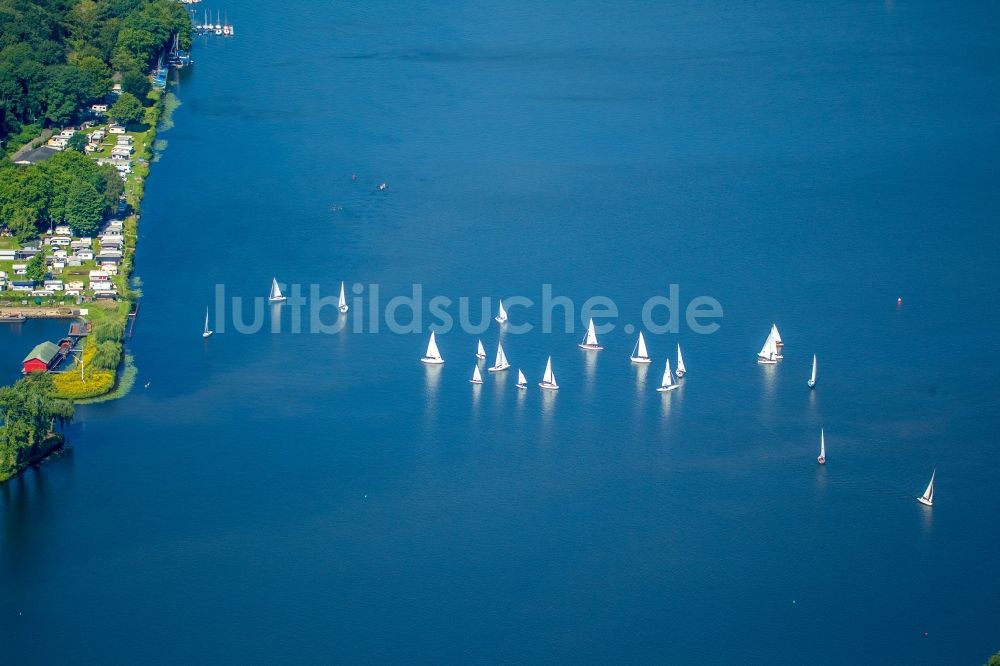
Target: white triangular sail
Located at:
point(928, 496)
point(640, 354)
point(477, 377)
point(480, 350)
point(812, 377)
point(769, 352)
point(433, 355)
point(681, 370)
point(667, 383)
point(822, 446)
point(776, 336)
point(342, 301)
point(549, 378)
point(206, 321)
point(765, 351)
point(276, 294)
point(590, 340)
point(522, 381)
point(500, 362)
point(501, 314)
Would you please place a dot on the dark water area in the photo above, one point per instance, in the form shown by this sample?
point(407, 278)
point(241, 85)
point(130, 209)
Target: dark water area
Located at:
point(18, 339)
point(307, 497)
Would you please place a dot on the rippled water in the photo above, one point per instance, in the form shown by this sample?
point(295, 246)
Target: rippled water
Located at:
point(294, 497)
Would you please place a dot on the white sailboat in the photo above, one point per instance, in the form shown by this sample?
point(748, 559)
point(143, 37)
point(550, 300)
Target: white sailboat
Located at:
point(667, 383)
point(640, 354)
point(776, 336)
point(768, 353)
point(590, 340)
point(275, 296)
point(480, 350)
point(433, 355)
point(501, 360)
point(681, 370)
point(501, 317)
point(812, 379)
point(928, 496)
point(522, 381)
point(821, 458)
point(206, 333)
point(342, 301)
point(549, 378)
point(477, 377)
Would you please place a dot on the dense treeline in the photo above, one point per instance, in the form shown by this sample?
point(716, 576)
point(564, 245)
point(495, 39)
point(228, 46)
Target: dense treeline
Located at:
point(58, 55)
point(67, 188)
point(29, 413)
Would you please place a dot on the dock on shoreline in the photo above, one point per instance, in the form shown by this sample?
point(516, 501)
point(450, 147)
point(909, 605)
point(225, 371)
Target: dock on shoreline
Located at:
point(31, 312)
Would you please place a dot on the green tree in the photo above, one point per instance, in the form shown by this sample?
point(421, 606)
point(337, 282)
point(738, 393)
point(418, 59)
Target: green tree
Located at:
point(136, 83)
point(128, 109)
point(98, 75)
point(111, 186)
point(66, 89)
point(84, 208)
point(994, 660)
point(29, 413)
point(109, 329)
point(23, 226)
point(108, 355)
point(23, 189)
point(36, 268)
point(77, 142)
point(138, 43)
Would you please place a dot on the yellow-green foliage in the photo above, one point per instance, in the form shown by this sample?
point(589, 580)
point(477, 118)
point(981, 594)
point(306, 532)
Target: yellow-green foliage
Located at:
point(126, 380)
point(94, 382)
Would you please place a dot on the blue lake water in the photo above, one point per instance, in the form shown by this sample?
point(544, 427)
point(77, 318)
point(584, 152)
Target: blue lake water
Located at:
point(307, 497)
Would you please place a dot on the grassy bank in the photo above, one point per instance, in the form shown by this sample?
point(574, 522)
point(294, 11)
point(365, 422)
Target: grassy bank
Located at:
point(93, 380)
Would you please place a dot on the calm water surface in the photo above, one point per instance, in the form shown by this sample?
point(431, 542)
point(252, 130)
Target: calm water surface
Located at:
point(296, 497)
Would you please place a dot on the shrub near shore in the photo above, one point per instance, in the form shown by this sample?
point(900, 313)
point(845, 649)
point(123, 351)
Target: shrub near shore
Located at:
point(102, 352)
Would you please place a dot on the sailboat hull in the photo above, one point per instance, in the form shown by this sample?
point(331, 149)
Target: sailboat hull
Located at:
point(548, 386)
point(278, 299)
point(680, 373)
point(821, 460)
point(430, 360)
point(641, 359)
point(584, 345)
point(475, 381)
point(664, 389)
point(207, 334)
point(500, 320)
point(521, 386)
point(343, 309)
point(925, 501)
point(811, 384)
point(766, 361)
point(498, 368)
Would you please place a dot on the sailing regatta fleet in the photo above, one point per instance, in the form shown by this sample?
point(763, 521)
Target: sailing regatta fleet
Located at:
point(769, 354)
